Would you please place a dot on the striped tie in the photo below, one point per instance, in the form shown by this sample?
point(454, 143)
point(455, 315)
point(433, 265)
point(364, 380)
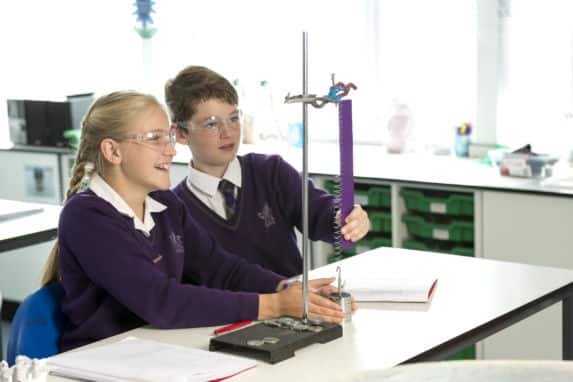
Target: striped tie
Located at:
point(228, 190)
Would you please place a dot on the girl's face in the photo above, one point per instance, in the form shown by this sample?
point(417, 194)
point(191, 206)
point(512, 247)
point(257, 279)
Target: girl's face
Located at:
point(149, 151)
point(213, 135)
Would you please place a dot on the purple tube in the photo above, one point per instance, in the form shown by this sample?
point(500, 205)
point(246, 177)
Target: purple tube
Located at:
point(346, 165)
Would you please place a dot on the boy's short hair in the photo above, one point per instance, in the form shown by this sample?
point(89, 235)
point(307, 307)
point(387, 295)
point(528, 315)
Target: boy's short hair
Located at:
point(193, 85)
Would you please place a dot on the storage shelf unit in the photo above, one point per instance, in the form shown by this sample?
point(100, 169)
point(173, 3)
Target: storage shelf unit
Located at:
point(413, 216)
point(440, 221)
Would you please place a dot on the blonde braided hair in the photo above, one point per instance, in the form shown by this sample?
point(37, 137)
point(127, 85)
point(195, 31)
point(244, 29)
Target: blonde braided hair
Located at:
point(107, 117)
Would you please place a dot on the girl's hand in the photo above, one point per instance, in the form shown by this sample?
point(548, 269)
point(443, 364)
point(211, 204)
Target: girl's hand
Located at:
point(327, 290)
point(289, 302)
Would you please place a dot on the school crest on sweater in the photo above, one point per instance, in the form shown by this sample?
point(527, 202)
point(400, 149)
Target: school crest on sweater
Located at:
point(266, 215)
point(177, 242)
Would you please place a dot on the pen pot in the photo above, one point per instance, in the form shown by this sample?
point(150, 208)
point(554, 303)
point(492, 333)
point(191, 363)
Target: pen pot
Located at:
point(462, 145)
point(344, 299)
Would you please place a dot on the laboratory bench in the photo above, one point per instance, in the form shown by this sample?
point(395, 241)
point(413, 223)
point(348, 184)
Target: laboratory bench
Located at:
point(22, 225)
point(27, 233)
point(515, 219)
point(469, 304)
point(511, 219)
point(415, 201)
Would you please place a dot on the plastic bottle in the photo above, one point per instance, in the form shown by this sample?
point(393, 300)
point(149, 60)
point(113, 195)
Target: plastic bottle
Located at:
point(294, 125)
point(265, 121)
point(399, 127)
point(247, 127)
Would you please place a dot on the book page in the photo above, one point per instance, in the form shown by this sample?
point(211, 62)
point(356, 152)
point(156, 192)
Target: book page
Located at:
point(412, 288)
point(134, 359)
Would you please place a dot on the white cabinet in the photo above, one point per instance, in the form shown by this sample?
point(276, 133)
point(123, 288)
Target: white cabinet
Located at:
point(30, 176)
point(532, 229)
point(528, 228)
point(21, 270)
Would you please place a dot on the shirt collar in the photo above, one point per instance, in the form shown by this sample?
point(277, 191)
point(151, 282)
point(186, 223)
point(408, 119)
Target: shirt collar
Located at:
point(208, 184)
point(107, 193)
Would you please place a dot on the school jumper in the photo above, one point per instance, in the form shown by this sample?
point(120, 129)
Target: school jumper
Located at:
point(269, 207)
point(116, 279)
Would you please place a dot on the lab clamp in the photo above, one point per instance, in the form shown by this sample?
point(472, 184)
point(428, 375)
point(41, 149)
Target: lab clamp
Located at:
point(275, 340)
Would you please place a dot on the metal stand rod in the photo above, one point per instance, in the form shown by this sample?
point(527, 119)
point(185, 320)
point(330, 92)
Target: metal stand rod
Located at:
point(305, 241)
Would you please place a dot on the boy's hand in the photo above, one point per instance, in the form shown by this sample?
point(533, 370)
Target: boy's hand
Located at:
point(356, 224)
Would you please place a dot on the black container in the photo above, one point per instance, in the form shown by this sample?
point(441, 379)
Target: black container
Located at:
point(42, 123)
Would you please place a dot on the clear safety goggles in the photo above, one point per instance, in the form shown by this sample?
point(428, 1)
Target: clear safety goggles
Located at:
point(157, 139)
point(214, 124)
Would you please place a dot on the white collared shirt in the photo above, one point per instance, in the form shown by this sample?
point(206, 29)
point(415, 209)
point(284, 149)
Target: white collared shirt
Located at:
point(107, 193)
point(205, 186)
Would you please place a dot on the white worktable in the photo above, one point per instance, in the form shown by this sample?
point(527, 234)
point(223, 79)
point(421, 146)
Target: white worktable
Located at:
point(473, 299)
point(37, 223)
point(372, 162)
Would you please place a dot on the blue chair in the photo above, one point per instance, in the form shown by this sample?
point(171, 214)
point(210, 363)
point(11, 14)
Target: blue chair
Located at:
point(37, 325)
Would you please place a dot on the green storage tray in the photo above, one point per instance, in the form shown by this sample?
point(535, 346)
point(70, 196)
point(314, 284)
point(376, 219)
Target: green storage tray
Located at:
point(361, 197)
point(350, 251)
point(380, 221)
point(379, 197)
point(467, 353)
point(454, 231)
point(333, 259)
point(372, 197)
point(438, 247)
point(463, 251)
point(330, 186)
point(454, 204)
point(367, 244)
point(380, 242)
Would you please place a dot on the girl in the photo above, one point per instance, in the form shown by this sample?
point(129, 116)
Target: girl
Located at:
point(125, 242)
point(251, 203)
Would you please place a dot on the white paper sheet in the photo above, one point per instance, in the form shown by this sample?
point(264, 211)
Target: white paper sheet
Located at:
point(134, 359)
point(400, 289)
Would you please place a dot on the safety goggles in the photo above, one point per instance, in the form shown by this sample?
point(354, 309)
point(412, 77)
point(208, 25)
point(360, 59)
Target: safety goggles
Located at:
point(157, 139)
point(214, 124)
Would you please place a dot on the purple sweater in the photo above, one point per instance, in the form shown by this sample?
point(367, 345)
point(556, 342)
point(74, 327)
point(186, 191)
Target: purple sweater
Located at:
point(269, 208)
point(116, 279)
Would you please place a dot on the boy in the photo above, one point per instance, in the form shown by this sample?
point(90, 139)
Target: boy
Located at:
point(250, 203)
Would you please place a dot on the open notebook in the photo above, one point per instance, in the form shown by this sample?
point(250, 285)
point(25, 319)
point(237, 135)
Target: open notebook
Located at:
point(135, 359)
point(418, 288)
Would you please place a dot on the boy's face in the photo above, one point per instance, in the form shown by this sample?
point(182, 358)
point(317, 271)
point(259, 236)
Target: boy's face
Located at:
point(213, 135)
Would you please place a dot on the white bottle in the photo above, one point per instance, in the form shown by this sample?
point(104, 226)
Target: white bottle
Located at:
point(399, 127)
point(266, 126)
point(247, 116)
